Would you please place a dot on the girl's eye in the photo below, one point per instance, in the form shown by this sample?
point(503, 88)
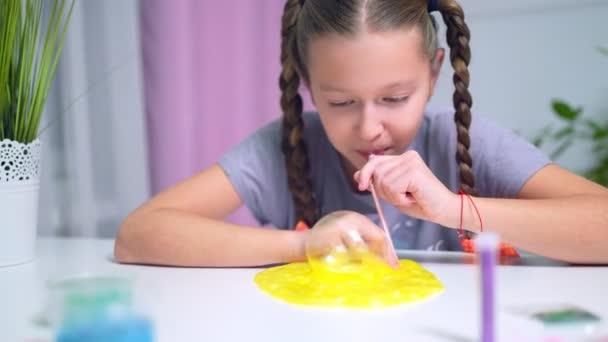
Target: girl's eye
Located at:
point(395, 99)
point(341, 103)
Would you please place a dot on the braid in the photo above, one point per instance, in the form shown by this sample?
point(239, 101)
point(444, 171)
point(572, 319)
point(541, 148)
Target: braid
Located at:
point(294, 147)
point(458, 37)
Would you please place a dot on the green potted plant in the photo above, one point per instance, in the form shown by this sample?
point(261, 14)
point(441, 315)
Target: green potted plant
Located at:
point(29, 52)
point(575, 127)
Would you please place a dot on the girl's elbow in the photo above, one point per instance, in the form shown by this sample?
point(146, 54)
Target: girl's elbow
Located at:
point(124, 242)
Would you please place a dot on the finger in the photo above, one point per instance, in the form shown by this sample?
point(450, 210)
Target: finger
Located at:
point(367, 171)
point(322, 245)
point(410, 155)
point(393, 182)
point(385, 173)
point(371, 232)
point(385, 167)
point(409, 177)
point(355, 244)
point(375, 240)
point(397, 184)
point(391, 191)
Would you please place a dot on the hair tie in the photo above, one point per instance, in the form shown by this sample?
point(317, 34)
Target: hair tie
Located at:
point(432, 5)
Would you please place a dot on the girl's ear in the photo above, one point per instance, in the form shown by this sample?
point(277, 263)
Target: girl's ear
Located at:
point(436, 64)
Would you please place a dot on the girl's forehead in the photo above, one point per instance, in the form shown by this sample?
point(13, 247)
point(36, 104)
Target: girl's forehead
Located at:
point(406, 45)
point(370, 55)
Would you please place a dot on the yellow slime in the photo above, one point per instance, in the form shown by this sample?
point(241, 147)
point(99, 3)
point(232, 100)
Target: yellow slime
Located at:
point(367, 283)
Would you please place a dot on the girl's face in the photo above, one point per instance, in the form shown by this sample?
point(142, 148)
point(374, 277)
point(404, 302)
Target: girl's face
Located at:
point(371, 91)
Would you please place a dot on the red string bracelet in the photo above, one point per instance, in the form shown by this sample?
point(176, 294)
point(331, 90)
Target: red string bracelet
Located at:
point(461, 193)
point(467, 244)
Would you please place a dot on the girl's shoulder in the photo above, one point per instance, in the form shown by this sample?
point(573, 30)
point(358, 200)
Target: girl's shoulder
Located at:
point(271, 133)
point(440, 127)
point(502, 160)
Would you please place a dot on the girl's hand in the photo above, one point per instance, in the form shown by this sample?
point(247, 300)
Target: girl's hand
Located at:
point(345, 233)
point(408, 184)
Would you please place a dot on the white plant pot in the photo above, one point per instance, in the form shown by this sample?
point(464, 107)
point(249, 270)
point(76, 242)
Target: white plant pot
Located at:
point(19, 193)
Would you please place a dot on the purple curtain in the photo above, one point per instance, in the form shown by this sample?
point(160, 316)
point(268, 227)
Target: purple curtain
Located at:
point(211, 78)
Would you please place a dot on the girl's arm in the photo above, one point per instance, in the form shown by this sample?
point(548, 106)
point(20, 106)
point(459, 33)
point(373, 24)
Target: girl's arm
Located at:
point(557, 214)
point(183, 226)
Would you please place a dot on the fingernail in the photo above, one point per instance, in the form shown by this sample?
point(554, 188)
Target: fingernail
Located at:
point(364, 186)
point(355, 236)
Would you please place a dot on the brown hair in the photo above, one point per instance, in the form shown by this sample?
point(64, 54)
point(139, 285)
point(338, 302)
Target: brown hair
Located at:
point(304, 20)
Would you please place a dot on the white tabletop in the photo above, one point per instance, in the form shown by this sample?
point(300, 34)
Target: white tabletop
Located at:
point(203, 304)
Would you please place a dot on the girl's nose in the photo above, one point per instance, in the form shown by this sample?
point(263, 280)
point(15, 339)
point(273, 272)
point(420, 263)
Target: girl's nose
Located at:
point(370, 124)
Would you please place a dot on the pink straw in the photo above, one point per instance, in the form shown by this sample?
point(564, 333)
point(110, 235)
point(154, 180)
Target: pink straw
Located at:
point(393, 260)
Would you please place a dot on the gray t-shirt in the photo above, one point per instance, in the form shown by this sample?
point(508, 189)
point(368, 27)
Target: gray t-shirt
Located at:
point(502, 163)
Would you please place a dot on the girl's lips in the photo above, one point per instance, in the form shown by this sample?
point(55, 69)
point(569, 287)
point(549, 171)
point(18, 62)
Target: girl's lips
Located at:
point(367, 153)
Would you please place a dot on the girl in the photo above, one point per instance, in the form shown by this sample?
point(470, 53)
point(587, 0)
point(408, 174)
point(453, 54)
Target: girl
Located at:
point(371, 67)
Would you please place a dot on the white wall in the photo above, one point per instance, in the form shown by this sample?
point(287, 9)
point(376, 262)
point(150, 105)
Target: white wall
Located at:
point(95, 153)
point(524, 53)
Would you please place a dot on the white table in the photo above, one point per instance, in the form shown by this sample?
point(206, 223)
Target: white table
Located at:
point(202, 304)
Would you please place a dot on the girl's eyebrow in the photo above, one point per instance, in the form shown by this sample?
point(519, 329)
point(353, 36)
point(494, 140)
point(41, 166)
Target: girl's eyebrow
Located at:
point(329, 87)
point(399, 84)
point(393, 85)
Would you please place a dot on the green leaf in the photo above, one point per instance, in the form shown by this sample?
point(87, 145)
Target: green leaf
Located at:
point(594, 126)
point(599, 148)
point(603, 50)
point(10, 23)
point(600, 135)
point(29, 54)
point(565, 111)
point(564, 132)
point(55, 60)
point(597, 131)
point(599, 173)
point(539, 139)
